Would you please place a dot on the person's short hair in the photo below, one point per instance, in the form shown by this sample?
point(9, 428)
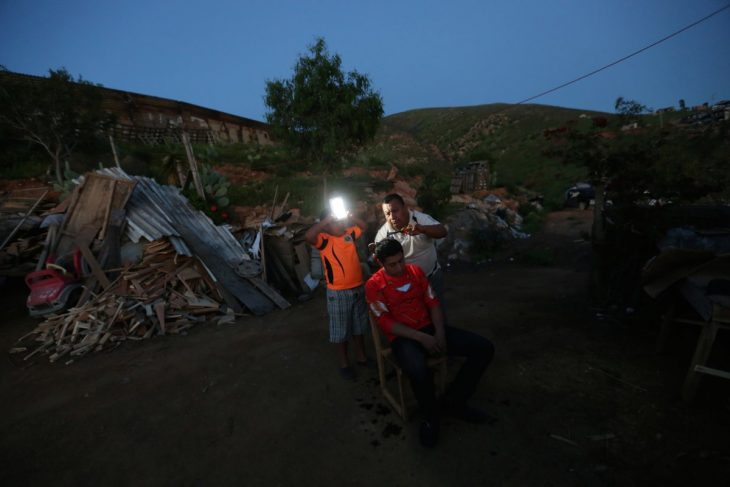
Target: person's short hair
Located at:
point(387, 248)
point(325, 213)
point(393, 196)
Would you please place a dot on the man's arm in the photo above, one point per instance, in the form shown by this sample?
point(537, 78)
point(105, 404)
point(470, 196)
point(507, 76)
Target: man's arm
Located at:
point(429, 342)
point(437, 318)
point(433, 231)
point(426, 225)
point(311, 235)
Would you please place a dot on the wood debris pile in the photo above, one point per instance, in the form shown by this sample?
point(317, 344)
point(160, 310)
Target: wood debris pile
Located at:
point(165, 293)
point(20, 256)
point(21, 238)
point(190, 270)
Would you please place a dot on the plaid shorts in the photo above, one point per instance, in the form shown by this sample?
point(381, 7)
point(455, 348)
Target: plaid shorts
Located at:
point(348, 313)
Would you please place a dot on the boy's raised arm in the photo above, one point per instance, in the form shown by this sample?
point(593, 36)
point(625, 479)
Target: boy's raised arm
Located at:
point(311, 235)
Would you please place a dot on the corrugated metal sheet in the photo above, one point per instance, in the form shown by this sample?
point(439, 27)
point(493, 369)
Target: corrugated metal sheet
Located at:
point(155, 211)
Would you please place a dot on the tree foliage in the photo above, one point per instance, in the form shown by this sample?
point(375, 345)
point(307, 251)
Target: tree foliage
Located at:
point(57, 113)
point(671, 163)
point(320, 111)
point(629, 110)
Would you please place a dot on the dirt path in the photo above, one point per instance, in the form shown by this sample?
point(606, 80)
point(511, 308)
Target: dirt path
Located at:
point(260, 402)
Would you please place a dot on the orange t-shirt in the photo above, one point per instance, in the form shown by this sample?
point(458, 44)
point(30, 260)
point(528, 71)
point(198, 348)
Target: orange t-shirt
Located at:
point(340, 261)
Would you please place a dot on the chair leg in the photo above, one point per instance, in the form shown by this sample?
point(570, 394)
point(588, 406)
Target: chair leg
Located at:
point(404, 408)
point(442, 377)
point(704, 346)
point(381, 370)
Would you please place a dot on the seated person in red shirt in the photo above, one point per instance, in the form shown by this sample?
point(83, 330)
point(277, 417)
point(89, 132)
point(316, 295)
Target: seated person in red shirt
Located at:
point(409, 314)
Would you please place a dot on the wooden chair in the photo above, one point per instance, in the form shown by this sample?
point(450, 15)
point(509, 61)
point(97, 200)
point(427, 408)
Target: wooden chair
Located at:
point(719, 319)
point(385, 359)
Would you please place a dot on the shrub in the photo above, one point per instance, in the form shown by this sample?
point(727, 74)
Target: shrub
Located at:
point(533, 222)
point(435, 193)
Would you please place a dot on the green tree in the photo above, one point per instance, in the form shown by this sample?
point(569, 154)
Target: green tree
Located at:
point(629, 110)
point(57, 113)
point(625, 160)
point(321, 112)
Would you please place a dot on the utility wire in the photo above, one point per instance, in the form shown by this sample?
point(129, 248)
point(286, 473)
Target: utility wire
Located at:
point(625, 57)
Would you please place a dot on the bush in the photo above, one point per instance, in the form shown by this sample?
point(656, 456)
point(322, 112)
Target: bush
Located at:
point(434, 194)
point(533, 222)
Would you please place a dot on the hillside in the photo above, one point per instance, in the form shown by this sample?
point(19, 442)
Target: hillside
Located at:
point(510, 135)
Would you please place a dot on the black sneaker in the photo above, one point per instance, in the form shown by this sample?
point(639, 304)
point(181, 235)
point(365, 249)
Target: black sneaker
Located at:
point(429, 434)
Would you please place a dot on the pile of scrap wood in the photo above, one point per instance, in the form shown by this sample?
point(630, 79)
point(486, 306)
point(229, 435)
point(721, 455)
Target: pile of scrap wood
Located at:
point(287, 258)
point(21, 235)
point(274, 236)
point(190, 270)
point(165, 293)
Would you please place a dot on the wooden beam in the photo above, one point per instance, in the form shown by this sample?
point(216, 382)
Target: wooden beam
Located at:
point(27, 214)
point(710, 371)
point(193, 165)
point(96, 269)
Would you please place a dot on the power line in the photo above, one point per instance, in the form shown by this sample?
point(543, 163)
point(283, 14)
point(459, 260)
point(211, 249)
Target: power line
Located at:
point(625, 57)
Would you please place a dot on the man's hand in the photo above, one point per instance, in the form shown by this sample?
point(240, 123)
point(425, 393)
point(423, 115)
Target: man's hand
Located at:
point(441, 340)
point(432, 344)
point(433, 231)
point(412, 229)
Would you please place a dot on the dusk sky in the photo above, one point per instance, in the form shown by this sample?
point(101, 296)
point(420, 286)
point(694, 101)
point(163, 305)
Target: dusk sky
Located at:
point(418, 54)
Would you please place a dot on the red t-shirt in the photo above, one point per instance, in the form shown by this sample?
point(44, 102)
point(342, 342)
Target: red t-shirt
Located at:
point(405, 299)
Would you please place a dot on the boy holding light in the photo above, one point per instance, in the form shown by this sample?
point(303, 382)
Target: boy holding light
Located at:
point(348, 317)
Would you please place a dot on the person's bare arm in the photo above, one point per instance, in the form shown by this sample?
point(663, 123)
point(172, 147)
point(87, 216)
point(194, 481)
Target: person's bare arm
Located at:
point(311, 235)
point(357, 221)
point(433, 231)
point(437, 318)
point(429, 342)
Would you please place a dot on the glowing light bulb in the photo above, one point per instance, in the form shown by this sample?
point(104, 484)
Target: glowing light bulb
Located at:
point(337, 205)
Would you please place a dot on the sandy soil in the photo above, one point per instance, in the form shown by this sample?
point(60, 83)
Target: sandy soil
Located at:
point(580, 398)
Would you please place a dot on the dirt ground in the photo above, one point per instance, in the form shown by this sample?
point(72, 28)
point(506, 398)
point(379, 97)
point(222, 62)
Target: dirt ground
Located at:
point(580, 398)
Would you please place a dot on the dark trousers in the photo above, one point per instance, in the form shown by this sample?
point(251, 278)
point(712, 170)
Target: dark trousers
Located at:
point(412, 358)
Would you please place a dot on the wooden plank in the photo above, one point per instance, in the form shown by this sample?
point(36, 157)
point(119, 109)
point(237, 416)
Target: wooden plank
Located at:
point(270, 292)
point(20, 223)
point(262, 253)
point(160, 313)
point(710, 371)
point(96, 269)
point(243, 290)
point(88, 210)
point(301, 267)
point(193, 165)
point(107, 212)
point(702, 351)
point(90, 204)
